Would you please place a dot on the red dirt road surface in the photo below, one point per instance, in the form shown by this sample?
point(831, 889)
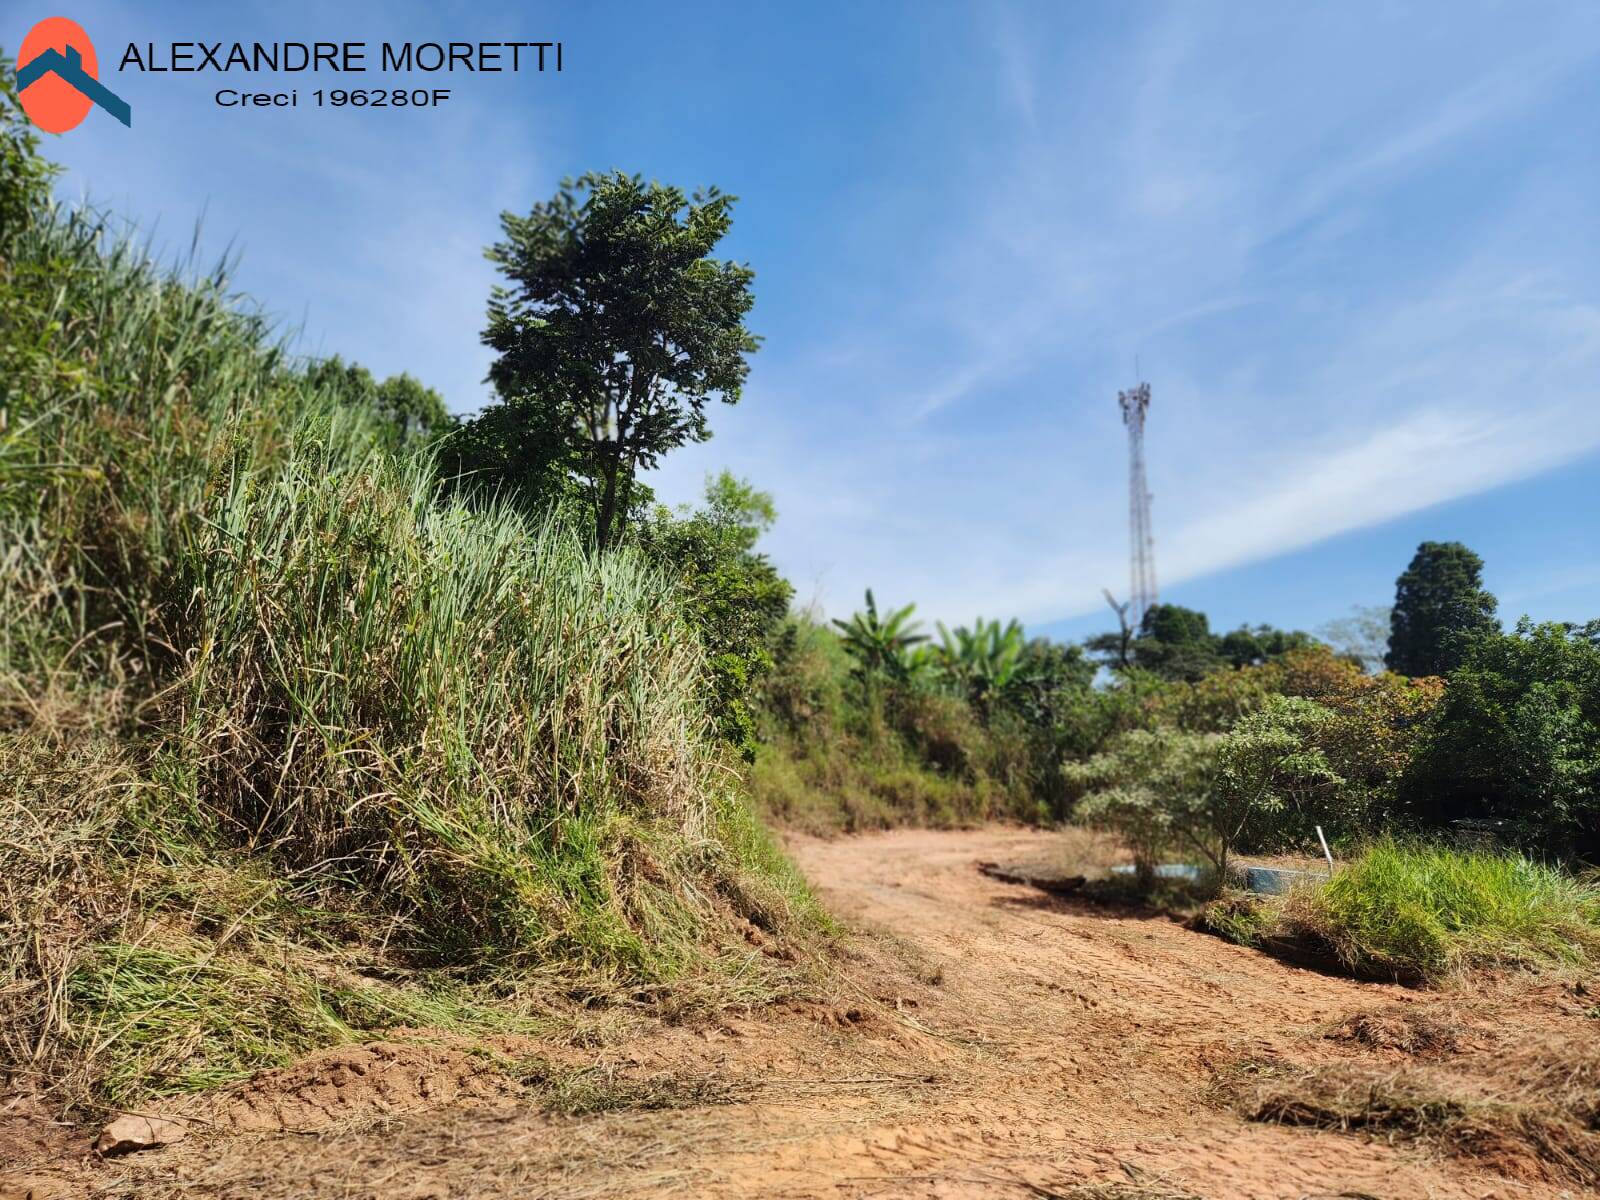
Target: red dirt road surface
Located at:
point(986, 1040)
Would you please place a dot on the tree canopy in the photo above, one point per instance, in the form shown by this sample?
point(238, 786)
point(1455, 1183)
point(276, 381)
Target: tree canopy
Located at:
point(1518, 736)
point(1176, 643)
point(613, 330)
point(1439, 606)
point(408, 410)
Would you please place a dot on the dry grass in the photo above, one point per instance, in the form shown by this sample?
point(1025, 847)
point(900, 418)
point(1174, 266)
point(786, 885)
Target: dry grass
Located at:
point(590, 1090)
point(1405, 1029)
point(137, 963)
point(1534, 1117)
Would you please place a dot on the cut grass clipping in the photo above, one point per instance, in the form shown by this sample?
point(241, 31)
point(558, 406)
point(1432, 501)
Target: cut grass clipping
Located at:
point(275, 705)
point(1412, 909)
point(1541, 1126)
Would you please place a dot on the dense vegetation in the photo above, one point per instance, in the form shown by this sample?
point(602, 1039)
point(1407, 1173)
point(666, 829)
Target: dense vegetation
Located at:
point(323, 711)
point(1190, 743)
point(299, 739)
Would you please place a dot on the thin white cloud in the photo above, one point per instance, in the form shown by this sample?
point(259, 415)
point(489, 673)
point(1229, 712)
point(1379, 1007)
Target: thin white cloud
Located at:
point(1305, 387)
point(1510, 87)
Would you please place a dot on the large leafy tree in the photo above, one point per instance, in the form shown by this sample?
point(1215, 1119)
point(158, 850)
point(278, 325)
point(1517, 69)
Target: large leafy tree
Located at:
point(1250, 646)
point(614, 329)
point(1214, 703)
point(1176, 642)
point(1440, 605)
point(1517, 737)
point(1379, 722)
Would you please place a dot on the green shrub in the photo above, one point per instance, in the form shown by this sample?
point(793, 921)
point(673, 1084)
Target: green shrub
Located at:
point(733, 597)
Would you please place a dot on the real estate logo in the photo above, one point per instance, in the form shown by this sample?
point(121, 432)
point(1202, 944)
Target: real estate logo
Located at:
point(58, 77)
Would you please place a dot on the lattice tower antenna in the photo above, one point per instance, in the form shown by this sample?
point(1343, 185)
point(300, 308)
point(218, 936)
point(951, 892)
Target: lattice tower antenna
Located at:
point(1141, 545)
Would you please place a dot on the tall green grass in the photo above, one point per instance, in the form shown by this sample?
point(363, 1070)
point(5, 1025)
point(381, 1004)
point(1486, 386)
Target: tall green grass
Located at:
point(471, 715)
point(1423, 911)
point(1434, 909)
point(270, 636)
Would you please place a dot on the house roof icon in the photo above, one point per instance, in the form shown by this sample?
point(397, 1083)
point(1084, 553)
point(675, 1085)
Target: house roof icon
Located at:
point(69, 67)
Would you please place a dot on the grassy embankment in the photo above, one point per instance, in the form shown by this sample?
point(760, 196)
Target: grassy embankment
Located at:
point(295, 746)
point(1426, 911)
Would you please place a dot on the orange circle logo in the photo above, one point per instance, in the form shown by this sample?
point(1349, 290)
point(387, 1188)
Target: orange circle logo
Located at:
point(51, 101)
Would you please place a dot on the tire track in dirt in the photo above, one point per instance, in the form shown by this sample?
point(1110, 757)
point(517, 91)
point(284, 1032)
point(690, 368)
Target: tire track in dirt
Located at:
point(987, 1041)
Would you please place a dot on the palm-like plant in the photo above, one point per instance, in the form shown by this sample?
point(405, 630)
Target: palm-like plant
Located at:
point(882, 645)
point(984, 660)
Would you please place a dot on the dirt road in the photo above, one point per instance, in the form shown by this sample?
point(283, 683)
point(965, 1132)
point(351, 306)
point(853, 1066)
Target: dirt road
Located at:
point(988, 1040)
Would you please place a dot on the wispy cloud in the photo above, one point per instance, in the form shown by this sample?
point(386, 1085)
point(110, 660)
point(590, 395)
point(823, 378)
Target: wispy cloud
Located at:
point(1337, 335)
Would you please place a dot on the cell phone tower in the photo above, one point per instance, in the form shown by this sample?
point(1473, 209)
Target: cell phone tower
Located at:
point(1141, 545)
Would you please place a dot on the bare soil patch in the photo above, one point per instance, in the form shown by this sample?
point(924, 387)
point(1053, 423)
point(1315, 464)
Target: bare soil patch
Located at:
point(982, 1039)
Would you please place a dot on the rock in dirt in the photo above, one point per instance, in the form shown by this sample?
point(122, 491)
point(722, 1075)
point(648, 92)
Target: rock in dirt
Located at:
point(128, 1133)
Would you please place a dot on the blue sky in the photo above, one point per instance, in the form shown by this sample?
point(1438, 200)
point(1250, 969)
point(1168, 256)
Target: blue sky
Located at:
point(1352, 247)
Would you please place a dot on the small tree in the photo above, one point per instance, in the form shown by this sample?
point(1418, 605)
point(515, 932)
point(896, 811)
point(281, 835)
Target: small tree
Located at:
point(1153, 789)
point(984, 662)
point(1439, 606)
point(614, 330)
point(1165, 788)
point(733, 597)
point(882, 646)
point(1270, 763)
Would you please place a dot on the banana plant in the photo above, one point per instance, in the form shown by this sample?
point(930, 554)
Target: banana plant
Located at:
point(882, 645)
point(984, 660)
